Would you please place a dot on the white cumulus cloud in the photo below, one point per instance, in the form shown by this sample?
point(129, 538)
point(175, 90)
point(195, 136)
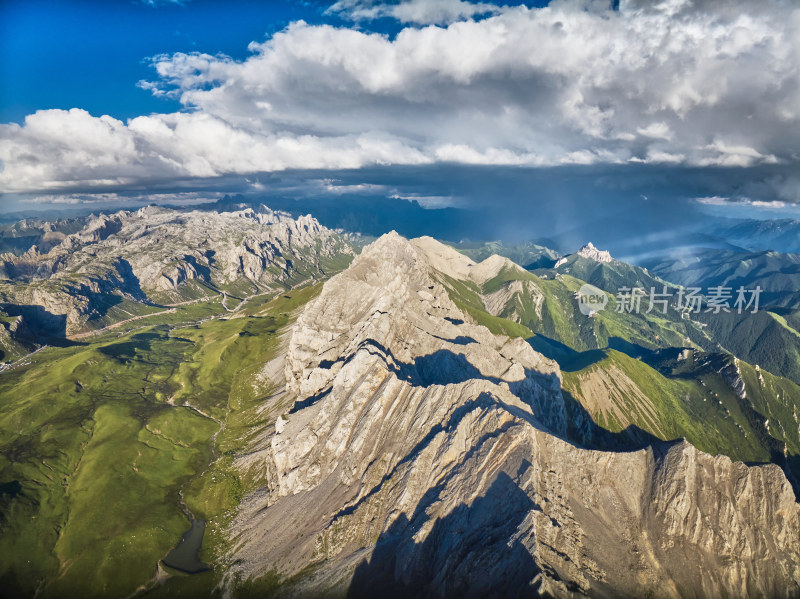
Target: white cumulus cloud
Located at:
point(703, 83)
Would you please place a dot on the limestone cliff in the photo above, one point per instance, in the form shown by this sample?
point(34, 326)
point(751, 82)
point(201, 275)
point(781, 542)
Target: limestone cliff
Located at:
point(420, 455)
point(159, 255)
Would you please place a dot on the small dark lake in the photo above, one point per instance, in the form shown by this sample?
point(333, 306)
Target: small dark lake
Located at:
point(186, 555)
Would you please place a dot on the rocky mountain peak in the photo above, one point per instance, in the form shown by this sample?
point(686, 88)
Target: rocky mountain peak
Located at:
point(167, 256)
point(454, 264)
point(592, 253)
point(421, 453)
point(491, 267)
point(390, 292)
point(444, 258)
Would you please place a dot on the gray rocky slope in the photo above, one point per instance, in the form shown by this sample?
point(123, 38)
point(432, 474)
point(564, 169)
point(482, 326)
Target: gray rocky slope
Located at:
point(159, 255)
point(417, 454)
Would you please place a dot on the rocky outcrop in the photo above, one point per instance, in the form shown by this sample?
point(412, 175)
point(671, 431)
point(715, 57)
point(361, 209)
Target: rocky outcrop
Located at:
point(153, 254)
point(508, 300)
point(733, 377)
point(592, 253)
point(424, 456)
point(96, 230)
point(456, 265)
point(510, 297)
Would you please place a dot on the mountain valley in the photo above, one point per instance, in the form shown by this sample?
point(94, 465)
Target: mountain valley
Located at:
point(400, 418)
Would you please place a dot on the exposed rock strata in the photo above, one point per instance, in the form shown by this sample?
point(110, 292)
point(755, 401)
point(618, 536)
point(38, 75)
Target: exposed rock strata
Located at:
point(424, 456)
point(154, 253)
point(592, 253)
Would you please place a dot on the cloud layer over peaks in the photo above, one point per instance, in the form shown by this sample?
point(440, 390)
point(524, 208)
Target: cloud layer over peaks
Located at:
point(700, 83)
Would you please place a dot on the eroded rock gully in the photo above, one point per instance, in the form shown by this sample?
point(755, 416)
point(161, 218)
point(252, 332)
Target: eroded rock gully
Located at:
point(424, 456)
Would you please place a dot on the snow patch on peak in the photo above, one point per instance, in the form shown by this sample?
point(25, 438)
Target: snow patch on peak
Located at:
point(592, 253)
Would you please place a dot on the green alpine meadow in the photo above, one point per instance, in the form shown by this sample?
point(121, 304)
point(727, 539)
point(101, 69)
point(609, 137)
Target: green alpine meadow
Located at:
point(439, 299)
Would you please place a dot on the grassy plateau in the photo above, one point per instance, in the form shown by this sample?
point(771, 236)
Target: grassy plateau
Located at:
point(106, 443)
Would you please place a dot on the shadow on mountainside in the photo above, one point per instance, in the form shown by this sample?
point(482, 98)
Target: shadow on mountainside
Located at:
point(128, 280)
point(442, 367)
point(633, 350)
point(472, 551)
point(466, 553)
point(203, 271)
point(101, 294)
point(445, 367)
point(571, 360)
point(550, 348)
point(585, 433)
point(38, 326)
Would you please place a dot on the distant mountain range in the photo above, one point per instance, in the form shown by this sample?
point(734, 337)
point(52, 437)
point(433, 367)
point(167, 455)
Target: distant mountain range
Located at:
point(129, 264)
point(246, 402)
point(781, 235)
point(775, 273)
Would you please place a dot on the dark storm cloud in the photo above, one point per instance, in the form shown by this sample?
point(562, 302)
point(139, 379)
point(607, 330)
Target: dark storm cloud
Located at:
point(670, 83)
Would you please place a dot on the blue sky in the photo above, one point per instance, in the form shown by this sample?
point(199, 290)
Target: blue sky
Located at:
point(115, 101)
point(91, 54)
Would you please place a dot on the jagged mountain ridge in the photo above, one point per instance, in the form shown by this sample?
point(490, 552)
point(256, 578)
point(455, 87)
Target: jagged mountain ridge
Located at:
point(597, 267)
point(625, 368)
point(720, 404)
point(422, 454)
point(18, 237)
point(164, 256)
point(543, 302)
point(529, 255)
point(774, 273)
